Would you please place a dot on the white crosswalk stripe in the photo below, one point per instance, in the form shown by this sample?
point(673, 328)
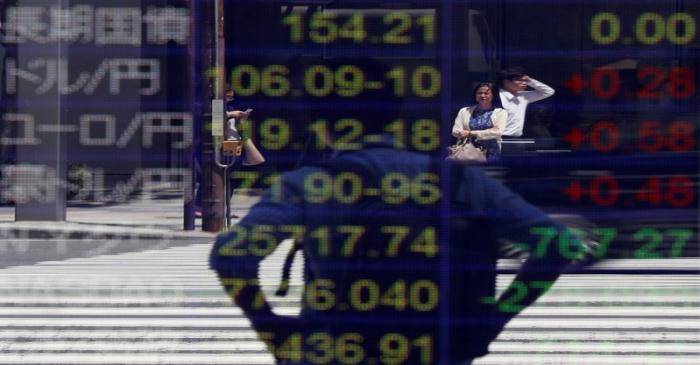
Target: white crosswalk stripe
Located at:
point(166, 307)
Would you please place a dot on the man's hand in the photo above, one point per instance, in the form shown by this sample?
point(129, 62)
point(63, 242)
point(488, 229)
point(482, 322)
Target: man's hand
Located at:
point(496, 326)
point(280, 335)
point(464, 134)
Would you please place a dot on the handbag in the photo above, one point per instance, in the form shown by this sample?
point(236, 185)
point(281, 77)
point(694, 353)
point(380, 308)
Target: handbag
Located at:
point(464, 150)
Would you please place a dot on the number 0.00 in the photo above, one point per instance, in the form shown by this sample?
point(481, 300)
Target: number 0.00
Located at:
point(649, 28)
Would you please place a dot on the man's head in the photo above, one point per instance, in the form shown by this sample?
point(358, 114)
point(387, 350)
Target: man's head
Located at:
point(353, 74)
point(514, 79)
point(228, 93)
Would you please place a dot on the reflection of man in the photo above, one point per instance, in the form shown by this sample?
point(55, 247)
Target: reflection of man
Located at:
point(233, 115)
point(400, 259)
point(251, 154)
point(515, 97)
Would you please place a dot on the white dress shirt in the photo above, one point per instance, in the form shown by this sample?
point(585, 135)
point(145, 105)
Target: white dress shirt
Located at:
point(516, 105)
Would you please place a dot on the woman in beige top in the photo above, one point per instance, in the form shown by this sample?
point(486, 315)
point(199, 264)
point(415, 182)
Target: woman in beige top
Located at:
point(482, 123)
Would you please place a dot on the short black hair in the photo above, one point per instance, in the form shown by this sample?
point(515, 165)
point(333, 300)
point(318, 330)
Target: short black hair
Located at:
point(510, 73)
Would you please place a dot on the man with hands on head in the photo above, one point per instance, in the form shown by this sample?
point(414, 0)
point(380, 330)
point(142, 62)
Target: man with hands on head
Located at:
point(515, 97)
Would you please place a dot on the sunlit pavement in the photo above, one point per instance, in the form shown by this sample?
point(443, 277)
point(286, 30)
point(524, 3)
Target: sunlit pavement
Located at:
point(164, 306)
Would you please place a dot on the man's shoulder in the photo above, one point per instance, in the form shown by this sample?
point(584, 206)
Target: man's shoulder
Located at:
point(508, 99)
point(325, 168)
point(302, 172)
point(503, 93)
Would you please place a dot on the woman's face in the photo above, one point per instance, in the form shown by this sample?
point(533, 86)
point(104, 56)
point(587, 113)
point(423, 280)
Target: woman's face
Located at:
point(484, 96)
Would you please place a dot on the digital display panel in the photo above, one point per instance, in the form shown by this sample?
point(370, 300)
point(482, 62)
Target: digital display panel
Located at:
point(385, 252)
point(615, 148)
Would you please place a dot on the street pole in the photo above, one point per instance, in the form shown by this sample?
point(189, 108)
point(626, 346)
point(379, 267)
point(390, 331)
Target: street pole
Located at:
point(192, 152)
point(212, 176)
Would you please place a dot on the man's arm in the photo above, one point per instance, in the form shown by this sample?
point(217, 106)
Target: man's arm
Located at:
point(550, 245)
point(541, 91)
point(237, 253)
point(238, 114)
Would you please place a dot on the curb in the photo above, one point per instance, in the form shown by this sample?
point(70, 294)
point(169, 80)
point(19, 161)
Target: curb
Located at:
point(71, 230)
point(28, 243)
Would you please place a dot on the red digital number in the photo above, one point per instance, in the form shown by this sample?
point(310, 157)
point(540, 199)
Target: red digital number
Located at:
point(680, 191)
point(677, 137)
point(605, 136)
point(681, 136)
point(651, 78)
point(604, 190)
point(681, 83)
point(605, 83)
point(650, 192)
point(652, 136)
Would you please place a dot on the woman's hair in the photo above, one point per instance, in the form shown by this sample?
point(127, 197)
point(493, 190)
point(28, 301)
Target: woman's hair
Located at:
point(490, 85)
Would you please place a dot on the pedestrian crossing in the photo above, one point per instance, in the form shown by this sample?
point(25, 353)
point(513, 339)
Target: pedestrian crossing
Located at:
point(166, 307)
